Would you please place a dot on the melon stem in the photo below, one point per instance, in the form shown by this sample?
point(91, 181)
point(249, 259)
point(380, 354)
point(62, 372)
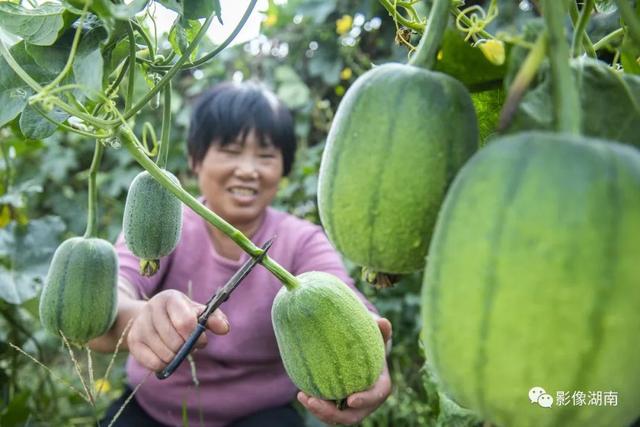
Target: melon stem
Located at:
point(427, 50)
point(566, 103)
point(92, 211)
point(166, 127)
point(132, 144)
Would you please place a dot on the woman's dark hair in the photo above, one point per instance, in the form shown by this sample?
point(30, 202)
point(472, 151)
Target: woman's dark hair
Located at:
point(229, 110)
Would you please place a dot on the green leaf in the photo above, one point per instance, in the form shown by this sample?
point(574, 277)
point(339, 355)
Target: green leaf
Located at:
point(107, 9)
point(175, 5)
point(182, 34)
point(629, 52)
point(14, 93)
point(453, 415)
point(34, 126)
point(610, 103)
point(88, 64)
point(606, 6)
point(17, 411)
point(196, 9)
point(25, 253)
point(488, 105)
point(39, 26)
point(467, 63)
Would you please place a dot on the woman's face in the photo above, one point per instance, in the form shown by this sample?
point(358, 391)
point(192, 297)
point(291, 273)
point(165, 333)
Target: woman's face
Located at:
point(239, 180)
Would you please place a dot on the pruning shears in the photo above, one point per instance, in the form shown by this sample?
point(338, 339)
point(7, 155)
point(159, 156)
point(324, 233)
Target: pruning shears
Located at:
point(220, 296)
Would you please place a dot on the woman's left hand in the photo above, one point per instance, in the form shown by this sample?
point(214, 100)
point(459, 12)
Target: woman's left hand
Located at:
point(360, 404)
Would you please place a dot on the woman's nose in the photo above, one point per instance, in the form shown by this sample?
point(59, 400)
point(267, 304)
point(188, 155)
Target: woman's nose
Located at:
point(246, 168)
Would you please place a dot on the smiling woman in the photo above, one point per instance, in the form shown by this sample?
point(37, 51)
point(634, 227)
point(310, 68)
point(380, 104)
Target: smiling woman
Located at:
point(241, 143)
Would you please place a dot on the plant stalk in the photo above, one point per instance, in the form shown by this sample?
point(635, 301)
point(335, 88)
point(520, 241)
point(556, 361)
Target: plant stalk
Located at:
point(565, 94)
point(608, 38)
point(166, 128)
point(132, 68)
point(132, 145)
point(522, 80)
point(629, 18)
point(425, 55)
point(580, 23)
point(92, 215)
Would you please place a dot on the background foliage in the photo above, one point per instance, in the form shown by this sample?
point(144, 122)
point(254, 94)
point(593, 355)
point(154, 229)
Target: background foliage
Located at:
point(309, 52)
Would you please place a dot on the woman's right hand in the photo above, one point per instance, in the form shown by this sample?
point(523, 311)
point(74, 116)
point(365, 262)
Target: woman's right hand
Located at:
point(164, 324)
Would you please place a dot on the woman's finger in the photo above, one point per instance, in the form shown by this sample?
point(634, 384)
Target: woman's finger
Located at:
point(326, 411)
point(385, 328)
point(373, 397)
point(152, 339)
point(164, 327)
point(218, 323)
point(182, 315)
point(146, 357)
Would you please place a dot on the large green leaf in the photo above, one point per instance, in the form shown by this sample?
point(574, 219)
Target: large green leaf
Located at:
point(40, 25)
point(88, 64)
point(467, 63)
point(34, 125)
point(25, 253)
point(14, 92)
point(610, 103)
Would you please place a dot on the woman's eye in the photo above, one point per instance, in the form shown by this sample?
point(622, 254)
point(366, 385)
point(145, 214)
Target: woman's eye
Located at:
point(230, 150)
point(267, 156)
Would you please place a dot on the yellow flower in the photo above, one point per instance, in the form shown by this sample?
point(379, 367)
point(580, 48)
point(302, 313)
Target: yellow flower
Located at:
point(344, 24)
point(102, 385)
point(440, 55)
point(346, 74)
point(270, 20)
point(493, 50)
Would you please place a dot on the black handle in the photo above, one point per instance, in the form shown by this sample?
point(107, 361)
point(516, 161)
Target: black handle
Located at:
point(182, 353)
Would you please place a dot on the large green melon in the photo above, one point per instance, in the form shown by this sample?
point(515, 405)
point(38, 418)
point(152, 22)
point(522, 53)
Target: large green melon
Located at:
point(152, 221)
point(533, 280)
point(80, 294)
point(330, 344)
point(399, 137)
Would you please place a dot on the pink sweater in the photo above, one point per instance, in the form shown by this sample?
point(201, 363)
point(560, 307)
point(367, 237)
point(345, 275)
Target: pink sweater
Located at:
point(241, 372)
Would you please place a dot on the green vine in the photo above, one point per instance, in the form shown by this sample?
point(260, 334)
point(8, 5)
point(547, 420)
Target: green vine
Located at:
point(425, 55)
point(92, 215)
point(565, 94)
point(166, 128)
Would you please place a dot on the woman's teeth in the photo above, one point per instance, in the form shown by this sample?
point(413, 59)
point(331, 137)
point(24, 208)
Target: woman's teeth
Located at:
point(243, 191)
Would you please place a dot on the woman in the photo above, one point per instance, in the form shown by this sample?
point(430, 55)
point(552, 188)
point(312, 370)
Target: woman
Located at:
point(241, 143)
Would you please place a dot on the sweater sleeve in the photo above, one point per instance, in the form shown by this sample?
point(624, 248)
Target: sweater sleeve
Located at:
point(315, 253)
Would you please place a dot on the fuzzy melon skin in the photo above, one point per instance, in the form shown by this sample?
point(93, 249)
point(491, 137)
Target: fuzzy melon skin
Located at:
point(330, 344)
point(152, 220)
point(80, 295)
point(399, 136)
point(532, 279)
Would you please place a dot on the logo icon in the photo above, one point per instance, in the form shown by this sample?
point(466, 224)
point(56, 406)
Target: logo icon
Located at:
point(539, 395)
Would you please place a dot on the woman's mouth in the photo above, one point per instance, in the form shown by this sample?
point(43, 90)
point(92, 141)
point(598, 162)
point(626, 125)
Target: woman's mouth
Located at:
point(243, 195)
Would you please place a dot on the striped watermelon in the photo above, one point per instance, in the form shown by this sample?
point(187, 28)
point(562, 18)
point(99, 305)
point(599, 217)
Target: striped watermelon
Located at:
point(330, 344)
point(533, 280)
point(80, 296)
point(399, 136)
